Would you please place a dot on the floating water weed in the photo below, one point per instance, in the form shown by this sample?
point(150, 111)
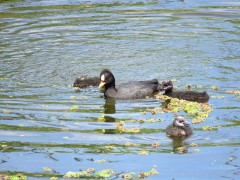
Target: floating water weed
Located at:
point(109, 147)
point(90, 170)
point(154, 171)
point(143, 152)
point(141, 121)
point(101, 161)
point(181, 150)
point(195, 150)
point(147, 174)
point(209, 128)
point(47, 169)
point(199, 110)
point(218, 97)
point(4, 146)
point(105, 173)
point(5, 111)
point(193, 145)
point(84, 97)
point(53, 178)
point(101, 119)
point(237, 92)
point(73, 108)
point(155, 144)
point(128, 144)
point(127, 175)
point(13, 177)
point(151, 120)
point(73, 97)
point(215, 88)
point(141, 175)
point(121, 129)
point(188, 86)
point(81, 174)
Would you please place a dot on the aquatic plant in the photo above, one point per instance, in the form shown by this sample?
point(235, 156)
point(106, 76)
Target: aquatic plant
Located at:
point(143, 152)
point(218, 97)
point(73, 97)
point(155, 144)
point(105, 173)
point(195, 150)
point(215, 88)
point(81, 174)
point(209, 128)
point(6, 111)
point(13, 177)
point(127, 175)
point(141, 121)
point(129, 144)
point(146, 174)
point(181, 150)
point(47, 169)
point(100, 161)
point(141, 175)
point(121, 129)
point(199, 110)
point(236, 92)
point(73, 108)
point(193, 145)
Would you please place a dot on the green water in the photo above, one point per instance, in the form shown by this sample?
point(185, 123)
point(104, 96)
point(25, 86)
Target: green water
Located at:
point(45, 45)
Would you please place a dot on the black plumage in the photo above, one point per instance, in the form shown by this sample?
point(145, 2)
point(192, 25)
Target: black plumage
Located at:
point(186, 95)
point(130, 90)
point(83, 82)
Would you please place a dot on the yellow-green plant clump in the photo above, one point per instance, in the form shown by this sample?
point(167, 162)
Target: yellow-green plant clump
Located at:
point(199, 110)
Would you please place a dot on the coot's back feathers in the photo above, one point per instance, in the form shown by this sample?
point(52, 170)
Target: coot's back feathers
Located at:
point(130, 90)
point(186, 95)
point(83, 82)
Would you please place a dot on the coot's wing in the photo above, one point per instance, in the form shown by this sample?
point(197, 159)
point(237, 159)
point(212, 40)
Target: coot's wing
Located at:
point(137, 89)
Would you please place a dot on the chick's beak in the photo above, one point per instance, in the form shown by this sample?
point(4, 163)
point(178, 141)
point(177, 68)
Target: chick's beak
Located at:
point(102, 83)
point(186, 124)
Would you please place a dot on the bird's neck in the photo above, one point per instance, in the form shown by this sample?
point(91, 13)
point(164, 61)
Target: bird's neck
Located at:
point(169, 90)
point(110, 88)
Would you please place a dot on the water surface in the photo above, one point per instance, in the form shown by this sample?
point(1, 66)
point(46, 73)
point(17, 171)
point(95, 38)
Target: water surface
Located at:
point(45, 45)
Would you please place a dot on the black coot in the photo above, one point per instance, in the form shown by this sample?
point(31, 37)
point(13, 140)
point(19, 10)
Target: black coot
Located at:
point(130, 90)
point(186, 95)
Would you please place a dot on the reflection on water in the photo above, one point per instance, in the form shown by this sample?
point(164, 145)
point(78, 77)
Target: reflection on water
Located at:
point(45, 45)
point(109, 108)
point(178, 145)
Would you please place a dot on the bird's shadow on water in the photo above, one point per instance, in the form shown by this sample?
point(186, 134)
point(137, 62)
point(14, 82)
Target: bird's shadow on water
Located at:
point(179, 145)
point(109, 108)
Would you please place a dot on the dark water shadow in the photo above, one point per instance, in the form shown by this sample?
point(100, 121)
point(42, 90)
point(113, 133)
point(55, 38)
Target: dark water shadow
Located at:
point(179, 146)
point(109, 108)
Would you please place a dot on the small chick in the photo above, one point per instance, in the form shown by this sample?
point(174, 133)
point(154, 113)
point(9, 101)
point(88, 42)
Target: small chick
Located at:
point(179, 128)
point(84, 82)
point(201, 97)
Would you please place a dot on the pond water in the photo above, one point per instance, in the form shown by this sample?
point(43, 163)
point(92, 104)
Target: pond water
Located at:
point(45, 45)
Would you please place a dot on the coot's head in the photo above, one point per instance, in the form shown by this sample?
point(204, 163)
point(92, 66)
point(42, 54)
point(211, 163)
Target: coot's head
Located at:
point(106, 79)
point(180, 121)
point(166, 85)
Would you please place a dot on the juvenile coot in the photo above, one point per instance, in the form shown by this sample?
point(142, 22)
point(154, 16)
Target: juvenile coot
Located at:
point(83, 82)
point(186, 95)
point(131, 90)
point(179, 128)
